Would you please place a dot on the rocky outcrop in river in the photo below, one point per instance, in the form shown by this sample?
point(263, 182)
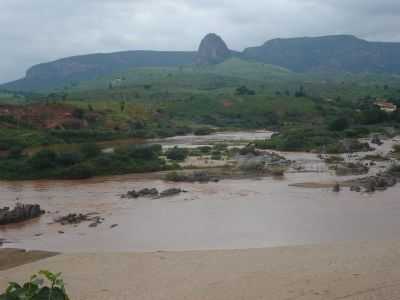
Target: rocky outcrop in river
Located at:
point(141, 193)
point(376, 140)
point(198, 176)
point(152, 193)
point(20, 213)
point(171, 192)
point(75, 219)
point(371, 184)
point(347, 169)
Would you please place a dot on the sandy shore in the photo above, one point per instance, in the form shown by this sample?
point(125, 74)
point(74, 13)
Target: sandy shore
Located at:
point(11, 258)
point(368, 270)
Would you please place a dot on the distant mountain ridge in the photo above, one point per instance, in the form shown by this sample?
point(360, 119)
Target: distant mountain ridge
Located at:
point(329, 53)
point(338, 53)
point(86, 67)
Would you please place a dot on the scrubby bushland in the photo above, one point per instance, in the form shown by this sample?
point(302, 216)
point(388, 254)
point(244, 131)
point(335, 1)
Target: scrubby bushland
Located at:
point(315, 139)
point(85, 162)
point(302, 139)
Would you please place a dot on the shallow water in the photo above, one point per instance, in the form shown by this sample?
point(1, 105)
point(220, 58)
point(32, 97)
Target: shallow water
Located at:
point(246, 213)
point(236, 137)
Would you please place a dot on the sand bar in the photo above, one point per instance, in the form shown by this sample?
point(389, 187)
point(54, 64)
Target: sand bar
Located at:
point(363, 270)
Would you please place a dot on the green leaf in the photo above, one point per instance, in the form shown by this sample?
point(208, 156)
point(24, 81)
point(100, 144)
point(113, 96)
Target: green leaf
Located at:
point(50, 294)
point(13, 286)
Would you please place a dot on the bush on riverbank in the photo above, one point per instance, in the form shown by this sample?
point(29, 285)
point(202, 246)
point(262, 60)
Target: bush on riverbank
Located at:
point(86, 162)
point(314, 139)
point(35, 289)
point(302, 139)
point(177, 154)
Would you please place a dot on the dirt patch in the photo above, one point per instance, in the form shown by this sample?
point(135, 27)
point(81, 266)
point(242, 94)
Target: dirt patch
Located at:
point(314, 185)
point(43, 116)
point(11, 258)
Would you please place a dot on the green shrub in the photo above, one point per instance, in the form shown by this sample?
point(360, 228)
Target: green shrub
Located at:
point(43, 159)
point(177, 154)
point(205, 149)
point(339, 124)
point(335, 148)
point(357, 132)
point(220, 147)
point(175, 177)
point(90, 150)
point(82, 171)
point(85, 136)
point(373, 115)
point(249, 149)
point(36, 290)
point(15, 152)
point(216, 155)
point(69, 158)
point(394, 169)
point(203, 131)
point(144, 151)
point(244, 90)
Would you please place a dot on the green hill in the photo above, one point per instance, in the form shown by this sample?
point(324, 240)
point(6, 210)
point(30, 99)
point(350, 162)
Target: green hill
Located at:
point(339, 53)
point(327, 54)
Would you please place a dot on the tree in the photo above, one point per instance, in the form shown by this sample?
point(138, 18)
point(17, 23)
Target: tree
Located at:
point(90, 150)
point(43, 159)
point(339, 124)
point(15, 152)
point(177, 154)
point(373, 115)
point(300, 92)
point(244, 90)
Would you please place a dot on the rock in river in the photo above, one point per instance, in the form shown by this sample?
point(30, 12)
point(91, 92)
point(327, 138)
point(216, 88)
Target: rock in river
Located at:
point(371, 184)
point(376, 140)
point(347, 169)
point(171, 192)
point(75, 219)
point(21, 212)
point(142, 193)
point(336, 188)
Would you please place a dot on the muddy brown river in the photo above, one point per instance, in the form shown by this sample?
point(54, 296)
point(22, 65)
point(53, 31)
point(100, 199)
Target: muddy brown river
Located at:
point(230, 214)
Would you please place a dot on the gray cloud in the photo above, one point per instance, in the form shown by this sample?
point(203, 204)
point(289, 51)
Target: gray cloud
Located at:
point(34, 31)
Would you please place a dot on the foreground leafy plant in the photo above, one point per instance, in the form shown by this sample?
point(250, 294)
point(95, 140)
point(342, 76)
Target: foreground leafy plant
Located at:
point(36, 290)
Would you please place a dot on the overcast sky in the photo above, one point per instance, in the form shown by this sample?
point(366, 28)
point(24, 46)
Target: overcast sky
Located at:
point(34, 31)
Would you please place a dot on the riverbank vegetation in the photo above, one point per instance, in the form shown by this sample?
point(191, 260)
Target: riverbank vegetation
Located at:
point(36, 289)
point(85, 162)
point(310, 112)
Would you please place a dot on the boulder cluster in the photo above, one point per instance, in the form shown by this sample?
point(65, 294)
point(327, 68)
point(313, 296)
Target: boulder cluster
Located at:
point(20, 213)
point(347, 169)
point(371, 184)
point(197, 176)
point(152, 193)
point(75, 219)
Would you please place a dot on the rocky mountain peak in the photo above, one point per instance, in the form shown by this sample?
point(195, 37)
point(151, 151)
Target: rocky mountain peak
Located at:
point(212, 50)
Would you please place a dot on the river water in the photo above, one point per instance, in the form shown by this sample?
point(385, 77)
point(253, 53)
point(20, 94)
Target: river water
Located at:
point(230, 214)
